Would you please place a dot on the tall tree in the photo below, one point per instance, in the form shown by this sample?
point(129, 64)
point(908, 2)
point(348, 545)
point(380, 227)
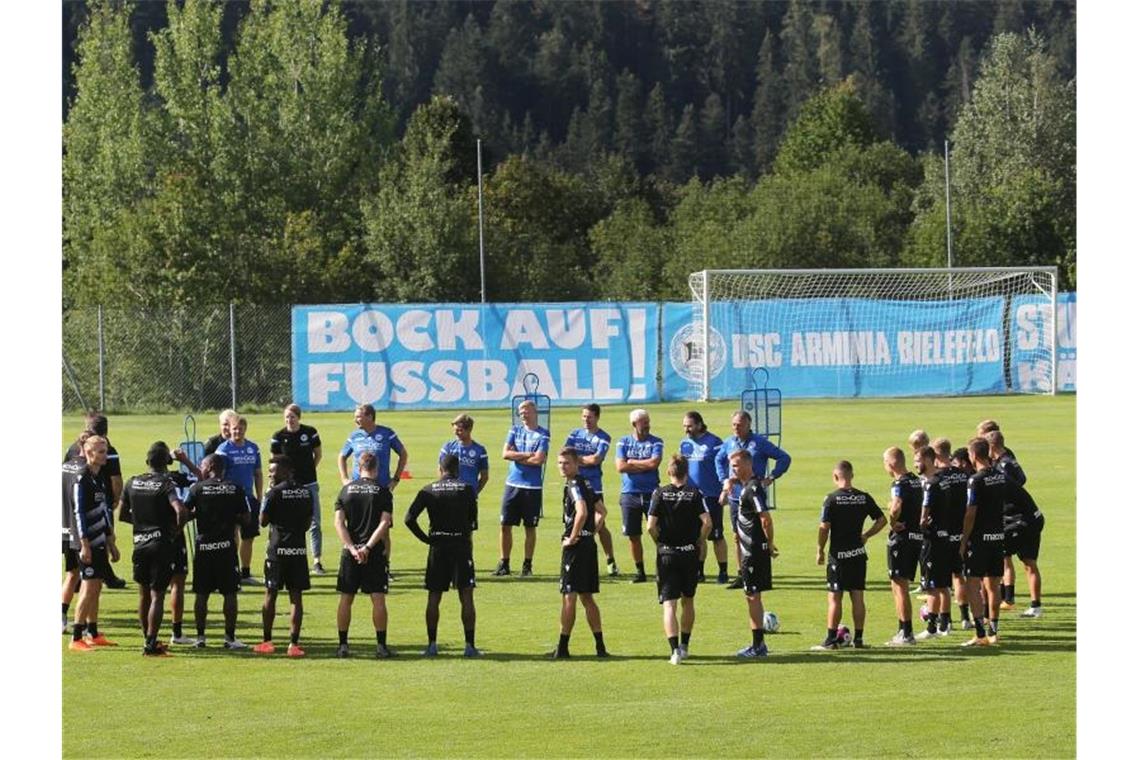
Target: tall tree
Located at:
point(768, 105)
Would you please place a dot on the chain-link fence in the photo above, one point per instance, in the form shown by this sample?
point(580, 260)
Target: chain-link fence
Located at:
point(210, 357)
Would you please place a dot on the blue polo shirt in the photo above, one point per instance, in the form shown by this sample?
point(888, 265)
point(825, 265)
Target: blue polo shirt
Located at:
point(472, 460)
point(382, 441)
point(761, 450)
point(701, 453)
point(588, 444)
point(631, 448)
point(529, 441)
point(241, 462)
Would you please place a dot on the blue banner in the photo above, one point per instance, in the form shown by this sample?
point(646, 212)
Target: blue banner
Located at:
point(1030, 318)
point(839, 347)
point(469, 355)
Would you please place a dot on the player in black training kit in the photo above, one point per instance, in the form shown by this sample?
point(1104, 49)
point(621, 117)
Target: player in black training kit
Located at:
point(938, 551)
point(904, 544)
point(93, 537)
point(452, 515)
point(679, 522)
point(1024, 522)
point(112, 476)
point(302, 444)
point(844, 512)
point(363, 519)
point(983, 538)
point(219, 506)
point(158, 516)
point(579, 555)
point(287, 511)
point(755, 537)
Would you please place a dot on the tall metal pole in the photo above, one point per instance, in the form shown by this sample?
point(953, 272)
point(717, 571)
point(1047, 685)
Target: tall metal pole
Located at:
point(706, 389)
point(482, 267)
point(102, 359)
point(949, 231)
point(233, 360)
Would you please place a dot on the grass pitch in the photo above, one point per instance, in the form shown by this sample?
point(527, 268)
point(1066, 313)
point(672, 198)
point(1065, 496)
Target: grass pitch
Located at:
point(1017, 700)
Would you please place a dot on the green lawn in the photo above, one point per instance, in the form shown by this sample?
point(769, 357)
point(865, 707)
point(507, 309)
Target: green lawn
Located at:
point(933, 701)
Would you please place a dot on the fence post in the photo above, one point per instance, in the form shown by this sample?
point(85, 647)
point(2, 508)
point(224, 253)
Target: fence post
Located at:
point(102, 387)
point(233, 360)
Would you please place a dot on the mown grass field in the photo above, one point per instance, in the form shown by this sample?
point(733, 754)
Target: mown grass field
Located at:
point(935, 700)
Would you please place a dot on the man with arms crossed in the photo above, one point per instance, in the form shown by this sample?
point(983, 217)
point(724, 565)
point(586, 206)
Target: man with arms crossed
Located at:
point(287, 511)
point(474, 464)
point(525, 448)
point(243, 465)
point(220, 507)
point(592, 444)
point(983, 539)
point(761, 450)
point(381, 441)
point(844, 512)
point(638, 457)
point(579, 556)
point(302, 444)
point(452, 516)
point(904, 544)
point(679, 523)
point(93, 537)
point(157, 518)
point(755, 534)
point(700, 447)
point(363, 517)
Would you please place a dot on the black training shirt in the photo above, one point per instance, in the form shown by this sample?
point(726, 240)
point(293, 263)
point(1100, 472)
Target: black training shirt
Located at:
point(290, 510)
point(217, 505)
point(299, 448)
point(1010, 468)
point(752, 504)
point(363, 502)
point(986, 491)
point(573, 492)
point(451, 507)
point(846, 509)
point(952, 483)
point(678, 510)
point(908, 488)
point(149, 497)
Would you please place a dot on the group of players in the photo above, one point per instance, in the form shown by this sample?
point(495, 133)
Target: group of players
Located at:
point(223, 495)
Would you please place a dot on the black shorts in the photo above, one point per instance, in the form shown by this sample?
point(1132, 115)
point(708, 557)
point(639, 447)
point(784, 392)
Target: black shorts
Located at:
point(676, 574)
point(756, 570)
point(716, 514)
point(937, 562)
point(521, 505)
point(634, 506)
point(70, 557)
point(153, 564)
point(1024, 542)
point(252, 529)
point(957, 564)
point(215, 567)
point(369, 578)
point(848, 574)
point(99, 567)
point(580, 567)
point(180, 564)
point(449, 564)
point(902, 558)
point(985, 559)
point(289, 572)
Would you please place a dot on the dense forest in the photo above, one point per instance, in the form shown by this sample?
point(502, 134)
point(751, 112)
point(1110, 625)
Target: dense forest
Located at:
point(324, 151)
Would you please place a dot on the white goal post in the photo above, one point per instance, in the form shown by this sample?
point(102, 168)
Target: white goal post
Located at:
point(875, 332)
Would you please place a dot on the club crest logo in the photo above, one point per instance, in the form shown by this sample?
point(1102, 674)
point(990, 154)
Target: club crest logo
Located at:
point(686, 352)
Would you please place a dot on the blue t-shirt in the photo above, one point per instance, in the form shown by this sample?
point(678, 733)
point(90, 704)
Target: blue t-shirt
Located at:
point(761, 450)
point(631, 448)
point(472, 460)
point(587, 444)
point(701, 453)
point(529, 441)
point(382, 442)
point(241, 461)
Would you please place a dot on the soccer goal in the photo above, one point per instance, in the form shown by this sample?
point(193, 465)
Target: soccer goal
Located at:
point(875, 332)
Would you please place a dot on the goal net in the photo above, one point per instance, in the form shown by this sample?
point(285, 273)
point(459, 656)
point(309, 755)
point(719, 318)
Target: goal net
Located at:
point(874, 332)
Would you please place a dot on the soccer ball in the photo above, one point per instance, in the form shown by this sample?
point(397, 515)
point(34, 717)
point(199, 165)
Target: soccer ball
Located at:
point(923, 612)
point(843, 635)
point(771, 622)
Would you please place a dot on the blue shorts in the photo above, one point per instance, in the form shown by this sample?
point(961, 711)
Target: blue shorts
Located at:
point(521, 505)
point(595, 483)
point(716, 514)
point(633, 507)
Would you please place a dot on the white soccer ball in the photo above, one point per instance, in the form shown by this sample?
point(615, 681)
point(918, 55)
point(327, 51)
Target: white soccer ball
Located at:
point(771, 622)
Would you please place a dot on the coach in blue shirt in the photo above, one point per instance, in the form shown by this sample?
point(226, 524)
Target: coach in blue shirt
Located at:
point(380, 441)
point(638, 456)
point(592, 444)
point(700, 448)
point(526, 448)
point(474, 464)
point(761, 450)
